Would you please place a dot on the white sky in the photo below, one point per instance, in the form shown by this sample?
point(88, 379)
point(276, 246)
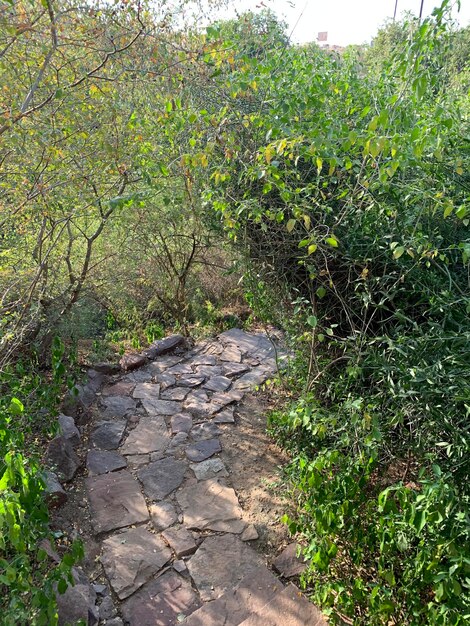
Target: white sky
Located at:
point(346, 21)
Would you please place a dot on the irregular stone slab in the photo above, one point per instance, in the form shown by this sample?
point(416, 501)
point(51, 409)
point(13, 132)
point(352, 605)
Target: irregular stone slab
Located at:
point(108, 435)
point(143, 375)
point(53, 490)
point(163, 346)
point(208, 370)
point(204, 359)
point(161, 407)
point(163, 364)
point(181, 368)
point(121, 388)
point(211, 468)
point(149, 435)
point(249, 534)
point(61, 457)
point(178, 443)
point(257, 345)
point(202, 450)
point(134, 461)
point(180, 540)
point(232, 370)
point(146, 391)
point(68, 429)
point(211, 505)
point(253, 593)
point(163, 514)
point(288, 564)
point(104, 461)
point(162, 477)
point(207, 430)
point(166, 380)
point(220, 563)
point(218, 383)
point(77, 603)
point(132, 361)
point(176, 393)
point(181, 423)
point(224, 417)
point(117, 406)
point(164, 601)
point(197, 403)
point(131, 558)
point(232, 354)
point(105, 367)
point(287, 608)
point(223, 399)
point(191, 381)
point(180, 566)
point(252, 379)
point(115, 501)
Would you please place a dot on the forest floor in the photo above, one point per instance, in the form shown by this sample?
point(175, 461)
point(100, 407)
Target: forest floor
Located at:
point(180, 495)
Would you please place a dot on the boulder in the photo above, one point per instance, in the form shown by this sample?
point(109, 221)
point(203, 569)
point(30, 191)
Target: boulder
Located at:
point(62, 458)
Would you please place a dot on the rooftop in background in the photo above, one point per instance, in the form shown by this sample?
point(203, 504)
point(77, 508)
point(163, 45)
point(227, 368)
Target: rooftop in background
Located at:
point(346, 21)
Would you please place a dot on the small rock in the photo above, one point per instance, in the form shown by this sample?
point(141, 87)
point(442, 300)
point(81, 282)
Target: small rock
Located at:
point(107, 435)
point(104, 461)
point(146, 391)
point(163, 515)
point(149, 435)
point(107, 368)
point(155, 406)
point(107, 609)
point(77, 603)
point(208, 430)
point(210, 468)
point(134, 461)
point(163, 346)
point(249, 534)
point(100, 590)
point(132, 361)
point(166, 380)
point(180, 566)
point(117, 406)
point(181, 423)
point(180, 540)
point(162, 477)
point(61, 456)
point(121, 388)
point(191, 381)
point(115, 621)
point(68, 429)
point(175, 393)
point(218, 383)
point(202, 450)
point(288, 564)
point(224, 417)
point(232, 370)
point(54, 492)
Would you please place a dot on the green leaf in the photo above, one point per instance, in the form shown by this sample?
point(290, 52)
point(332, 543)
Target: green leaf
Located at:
point(290, 225)
point(332, 241)
point(321, 292)
point(312, 321)
point(398, 252)
point(16, 407)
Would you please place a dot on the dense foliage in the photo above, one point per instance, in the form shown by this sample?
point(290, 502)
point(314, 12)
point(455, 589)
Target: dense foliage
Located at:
point(140, 160)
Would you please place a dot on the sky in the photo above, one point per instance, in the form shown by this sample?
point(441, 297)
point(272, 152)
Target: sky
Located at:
point(346, 21)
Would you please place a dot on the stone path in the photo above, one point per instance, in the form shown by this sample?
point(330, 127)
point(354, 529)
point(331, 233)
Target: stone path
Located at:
point(174, 541)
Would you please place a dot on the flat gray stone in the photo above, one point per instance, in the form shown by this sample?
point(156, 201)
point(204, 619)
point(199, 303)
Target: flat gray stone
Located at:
point(256, 345)
point(163, 515)
point(211, 505)
point(161, 407)
point(288, 564)
point(197, 403)
point(250, 533)
point(163, 364)
point(146, 391)
point(150, 435)
point(231, 354)
point(53, 490)
point(204, 359)
point(143, 375)
point(162, 477)
point(166, 380)
point(207, 430)
point(181, 423)
point(210, 468)
point(104, 367)
point(121, 388)
point(208, 370)
point(218, 383)
point(202, 450)
point(227, 397)
point(180, 369)
point(180, 540)
point(68, 429)
point(174, 393)
point(134, 461)
point(232, 370)
point(165, 601)
point(104, 461)
point(220, 564)
point(77, 603)
point(254, 591)
point(108, 435)
point(225, 417)
point(131, 558)
point(115, 501)
point(117, 406)
point(61, 458)
point(252, 379)
point(191, 381)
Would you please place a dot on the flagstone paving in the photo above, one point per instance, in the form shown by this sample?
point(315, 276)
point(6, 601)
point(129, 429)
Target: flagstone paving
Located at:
point(174, 541)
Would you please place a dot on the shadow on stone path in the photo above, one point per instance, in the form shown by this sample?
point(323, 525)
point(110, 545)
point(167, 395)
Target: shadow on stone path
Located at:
point(173, 539)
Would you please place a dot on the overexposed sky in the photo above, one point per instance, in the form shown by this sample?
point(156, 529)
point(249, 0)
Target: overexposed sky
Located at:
point(346, 21)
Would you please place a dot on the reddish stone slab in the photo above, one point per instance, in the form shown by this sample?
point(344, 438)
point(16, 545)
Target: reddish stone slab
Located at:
point(115, 501)
point(288, 564)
